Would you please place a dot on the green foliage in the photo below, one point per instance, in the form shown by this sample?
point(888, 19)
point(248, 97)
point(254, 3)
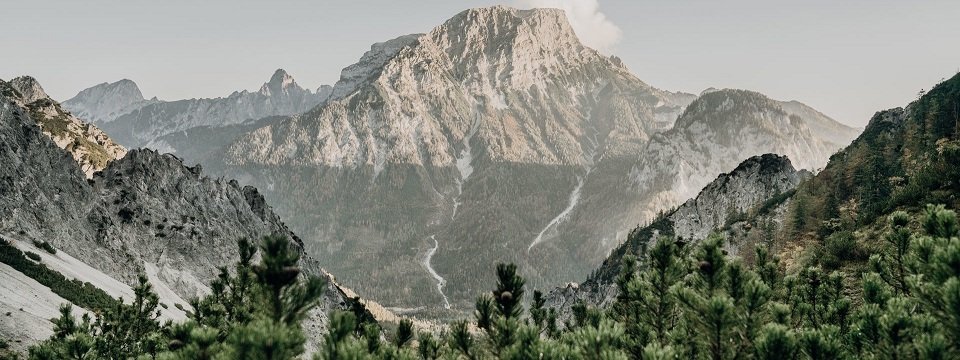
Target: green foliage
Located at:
point(840, 248)
point(678, 301)
point(404, 333)
point(903, 160)
point(254, 312)
point(45, 246)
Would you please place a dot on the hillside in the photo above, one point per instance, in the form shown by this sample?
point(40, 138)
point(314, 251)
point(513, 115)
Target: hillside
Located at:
point(145, 213)
point(905, 158)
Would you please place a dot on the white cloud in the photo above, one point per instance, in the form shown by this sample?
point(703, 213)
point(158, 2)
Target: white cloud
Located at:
point(592, 26)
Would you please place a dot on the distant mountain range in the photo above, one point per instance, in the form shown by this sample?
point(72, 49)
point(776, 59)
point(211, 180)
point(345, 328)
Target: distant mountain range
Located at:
point(121, 110)
point(495, 137)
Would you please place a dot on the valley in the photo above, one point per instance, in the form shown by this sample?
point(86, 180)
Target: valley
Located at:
point(498, 186)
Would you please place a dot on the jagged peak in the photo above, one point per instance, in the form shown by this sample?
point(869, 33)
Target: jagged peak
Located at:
point(280, 82)
point(29, 88)
point(370, 64)
point(532, 40)
point(281, 77)
point(481, 15)
point(148, 163)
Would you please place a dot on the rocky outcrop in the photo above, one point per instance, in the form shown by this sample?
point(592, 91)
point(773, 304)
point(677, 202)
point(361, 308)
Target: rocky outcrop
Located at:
point(730, 196)
point(90, 147)
point(759, 188)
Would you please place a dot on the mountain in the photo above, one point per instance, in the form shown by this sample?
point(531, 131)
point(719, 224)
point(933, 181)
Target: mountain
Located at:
point(759, 186)
point(145, 213)
point(904, 159)
point(121, 111)
point(722, 126)
point(90, 147)
point(495, 137)
point(106, 102)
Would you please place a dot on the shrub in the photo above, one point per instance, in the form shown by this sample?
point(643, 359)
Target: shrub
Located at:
point(840, 247)
point(33, 256)
point(45, 246)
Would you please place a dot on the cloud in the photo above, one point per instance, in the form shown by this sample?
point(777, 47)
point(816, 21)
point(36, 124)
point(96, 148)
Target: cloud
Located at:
point(592, 26)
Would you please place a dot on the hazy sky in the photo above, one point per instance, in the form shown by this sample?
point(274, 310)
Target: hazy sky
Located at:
point(847, 58)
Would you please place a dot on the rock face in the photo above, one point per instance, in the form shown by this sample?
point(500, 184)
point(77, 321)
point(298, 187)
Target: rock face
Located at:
point(121, 111)
point(90, 147)
point(760, 186)
point(753, 182)
point(106, 102)
point(144, 213)
point(495, 137)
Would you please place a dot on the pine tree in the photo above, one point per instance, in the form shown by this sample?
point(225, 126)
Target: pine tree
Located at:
point(404, 333)
point(775, 341)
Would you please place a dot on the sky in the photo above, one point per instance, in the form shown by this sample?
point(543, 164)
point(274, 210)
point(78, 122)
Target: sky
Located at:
point(847, 58)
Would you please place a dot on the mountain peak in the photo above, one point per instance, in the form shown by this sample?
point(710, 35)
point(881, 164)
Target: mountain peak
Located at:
point(502, 25)
point(29, 88)
point(281, 77)
point(279, 83)
point(725, 101)
point(105, 101)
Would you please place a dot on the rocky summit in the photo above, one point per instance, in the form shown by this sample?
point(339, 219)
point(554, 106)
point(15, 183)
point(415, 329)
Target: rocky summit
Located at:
point(106, 102)
point(89, 146)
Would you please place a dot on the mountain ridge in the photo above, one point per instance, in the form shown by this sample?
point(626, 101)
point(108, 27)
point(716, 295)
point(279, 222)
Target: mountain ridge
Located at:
point(120, 109)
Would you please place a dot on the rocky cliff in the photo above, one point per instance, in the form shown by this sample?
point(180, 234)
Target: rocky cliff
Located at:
point(90, 147)
point(474, 135)
point(722, 126)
